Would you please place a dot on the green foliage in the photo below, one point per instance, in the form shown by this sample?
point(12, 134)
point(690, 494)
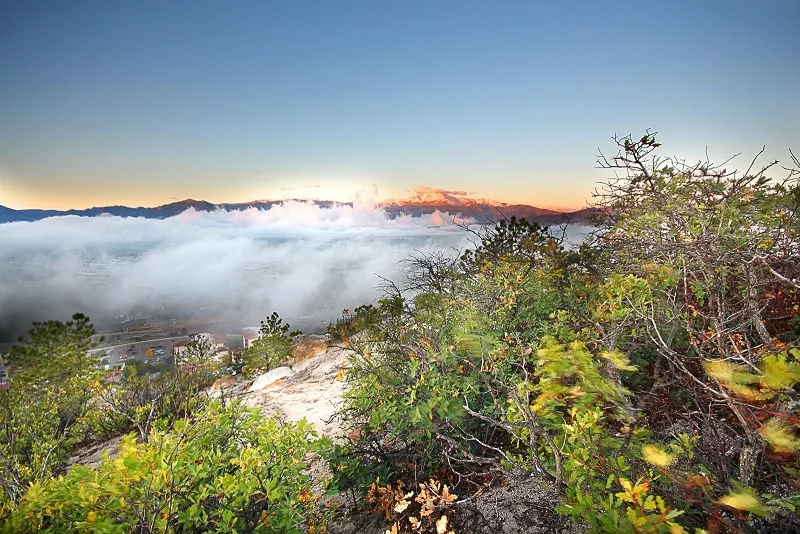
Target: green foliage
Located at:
point(198, 357)
point(573, 415)
point(146, 402)
point(228, 470)
point(272, 348)
point(509, 238)
point(192, 466)
point(577, 364)
point(48, 404)
point(453, 351)
point(49, 408)
point(55, 351)
point(411, 395)
point(364, 317)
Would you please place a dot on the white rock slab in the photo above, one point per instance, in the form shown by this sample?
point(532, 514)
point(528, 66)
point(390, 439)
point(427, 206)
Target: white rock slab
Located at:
point(270, 377)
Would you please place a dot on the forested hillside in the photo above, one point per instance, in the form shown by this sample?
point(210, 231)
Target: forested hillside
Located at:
point(650, 376)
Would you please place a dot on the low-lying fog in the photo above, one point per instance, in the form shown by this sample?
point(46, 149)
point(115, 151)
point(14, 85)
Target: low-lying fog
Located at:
point(298, 259)
point(305, 262)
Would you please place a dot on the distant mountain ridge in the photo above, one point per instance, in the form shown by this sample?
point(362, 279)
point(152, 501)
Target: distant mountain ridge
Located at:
point(422, 203)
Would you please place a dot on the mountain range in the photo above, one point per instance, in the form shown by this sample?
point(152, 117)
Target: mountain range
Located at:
point(424, 201)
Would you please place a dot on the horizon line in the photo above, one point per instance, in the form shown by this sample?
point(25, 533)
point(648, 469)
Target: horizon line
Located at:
point(379, 203)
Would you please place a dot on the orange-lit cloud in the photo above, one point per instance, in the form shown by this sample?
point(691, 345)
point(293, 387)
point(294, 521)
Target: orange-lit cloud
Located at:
point(424, 189)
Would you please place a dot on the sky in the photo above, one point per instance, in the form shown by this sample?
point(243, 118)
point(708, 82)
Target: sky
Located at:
point(143, 103)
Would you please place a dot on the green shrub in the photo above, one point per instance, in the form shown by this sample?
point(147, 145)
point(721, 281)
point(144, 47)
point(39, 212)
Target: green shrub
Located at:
point(363, 318)
point(272, 348)
point(651, 373)
point(48, 405)
point(227, 470)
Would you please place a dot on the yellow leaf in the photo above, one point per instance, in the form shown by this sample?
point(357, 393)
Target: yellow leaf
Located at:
point(779, 435)
point(779, 374)
point(415, 523)
point(393, 530)
point(719, 369)
point(748, 393)
point(541, 401)
point(618, 360)
point(742, 500)
point(729, 374)
point(657, 456)
point(441, 525)
point(90, 517)
point(340, 375)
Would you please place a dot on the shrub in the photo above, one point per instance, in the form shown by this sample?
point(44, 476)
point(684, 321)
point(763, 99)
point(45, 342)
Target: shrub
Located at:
point(363, 318)
point(272, 348)
point(651, 373)
point(48, 405)
point(227, 470)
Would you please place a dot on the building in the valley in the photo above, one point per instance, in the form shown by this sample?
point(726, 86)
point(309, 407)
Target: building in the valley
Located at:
point(202, 337)
point(114, 376)
point(249, 335)
point(114, 372)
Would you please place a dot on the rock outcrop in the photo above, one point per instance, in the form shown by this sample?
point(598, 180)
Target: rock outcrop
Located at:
point(310, 389)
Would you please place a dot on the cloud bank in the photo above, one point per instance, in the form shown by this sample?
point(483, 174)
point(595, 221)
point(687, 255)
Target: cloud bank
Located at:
point(301, 260)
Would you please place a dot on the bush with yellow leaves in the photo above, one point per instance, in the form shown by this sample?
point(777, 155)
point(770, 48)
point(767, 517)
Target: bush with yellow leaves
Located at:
point(228, 470)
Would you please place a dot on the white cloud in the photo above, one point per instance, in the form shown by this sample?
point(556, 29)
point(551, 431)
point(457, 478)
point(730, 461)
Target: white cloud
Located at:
point(296, 258)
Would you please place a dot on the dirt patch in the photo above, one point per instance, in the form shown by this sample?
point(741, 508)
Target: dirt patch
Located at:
point(308, 347)
point(523, 505)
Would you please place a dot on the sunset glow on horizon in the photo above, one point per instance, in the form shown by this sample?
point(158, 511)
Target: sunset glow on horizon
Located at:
point(63, 202)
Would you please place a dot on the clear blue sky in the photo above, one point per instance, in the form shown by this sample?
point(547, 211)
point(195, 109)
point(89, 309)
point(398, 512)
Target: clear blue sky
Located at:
point(139, 102)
